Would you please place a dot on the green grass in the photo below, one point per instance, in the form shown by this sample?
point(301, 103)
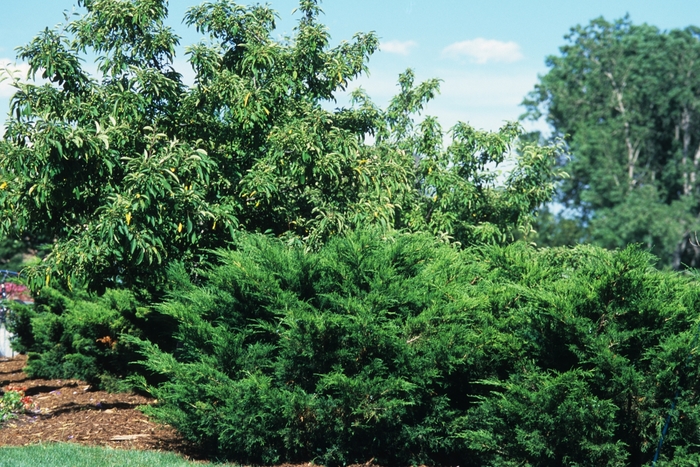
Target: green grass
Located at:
point(74, 455)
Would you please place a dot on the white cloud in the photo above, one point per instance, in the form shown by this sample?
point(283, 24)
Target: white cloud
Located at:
point(483, 50)
point(8, 70)
point(483, 97)
point(397, 47)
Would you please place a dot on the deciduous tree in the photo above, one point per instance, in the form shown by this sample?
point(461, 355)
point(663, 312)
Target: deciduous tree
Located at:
point(130, 169)
point(626, 99)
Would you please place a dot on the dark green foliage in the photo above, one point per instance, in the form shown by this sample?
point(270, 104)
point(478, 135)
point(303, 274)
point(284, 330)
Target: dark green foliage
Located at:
point(626, 100)
point(404, 349)
point(15, 253)
point(560, 229)
point(77, 335)
point(11, 254)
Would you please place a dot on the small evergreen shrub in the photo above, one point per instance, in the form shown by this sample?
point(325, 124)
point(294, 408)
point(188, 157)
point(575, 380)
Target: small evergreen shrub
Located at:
point(406, 350)
point(79, 335)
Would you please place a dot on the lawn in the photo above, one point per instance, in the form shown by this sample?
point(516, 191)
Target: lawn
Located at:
point(74, 455)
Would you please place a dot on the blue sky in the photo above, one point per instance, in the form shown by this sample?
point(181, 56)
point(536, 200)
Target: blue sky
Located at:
point(488, 53)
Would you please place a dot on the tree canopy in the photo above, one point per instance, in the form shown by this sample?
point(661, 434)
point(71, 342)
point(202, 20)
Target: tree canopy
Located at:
point(627, 101)
point(130, 169)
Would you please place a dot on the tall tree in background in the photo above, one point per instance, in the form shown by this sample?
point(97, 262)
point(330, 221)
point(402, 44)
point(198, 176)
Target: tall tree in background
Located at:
point(626, 98)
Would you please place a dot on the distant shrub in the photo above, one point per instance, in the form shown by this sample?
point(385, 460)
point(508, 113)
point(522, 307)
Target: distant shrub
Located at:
point(406, 350)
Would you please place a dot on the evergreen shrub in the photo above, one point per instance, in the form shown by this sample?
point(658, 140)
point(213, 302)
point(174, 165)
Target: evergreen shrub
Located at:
point(75, 334)
point(402, 349)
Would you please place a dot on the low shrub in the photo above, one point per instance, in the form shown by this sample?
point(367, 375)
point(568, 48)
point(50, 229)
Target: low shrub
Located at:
point(405, 350)
point(79, 335)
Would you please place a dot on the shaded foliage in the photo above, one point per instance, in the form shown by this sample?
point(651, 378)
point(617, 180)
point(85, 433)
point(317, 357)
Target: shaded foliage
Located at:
point(76, 335)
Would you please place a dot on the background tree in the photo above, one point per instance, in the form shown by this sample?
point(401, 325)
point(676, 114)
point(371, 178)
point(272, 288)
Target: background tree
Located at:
point(131, 169)
point(625, 98)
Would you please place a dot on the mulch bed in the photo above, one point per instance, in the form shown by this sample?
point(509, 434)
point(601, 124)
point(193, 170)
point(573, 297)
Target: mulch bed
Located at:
point(72, 411)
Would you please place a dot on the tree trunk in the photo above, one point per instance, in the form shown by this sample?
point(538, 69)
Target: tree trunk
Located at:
point(688, 178)
point(696, 165)
point(633, 147)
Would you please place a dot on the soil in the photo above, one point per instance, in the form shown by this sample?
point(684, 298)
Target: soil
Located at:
point(72, 411)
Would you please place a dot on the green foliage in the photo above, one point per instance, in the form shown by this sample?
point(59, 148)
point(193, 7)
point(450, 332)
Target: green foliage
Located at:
point(14, 402)
point(131, 170)
point(624, 98)
point(11, 254)
point(400, 348)
point(560, 229)
point(16, 254)
point(77, 335)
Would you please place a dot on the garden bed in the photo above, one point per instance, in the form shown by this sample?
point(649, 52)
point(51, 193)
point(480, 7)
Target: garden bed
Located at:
point(72, 411)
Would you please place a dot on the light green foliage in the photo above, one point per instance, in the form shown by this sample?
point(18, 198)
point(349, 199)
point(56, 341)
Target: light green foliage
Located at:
point(89, 162)
point(13, 402)
point(458, 193)
point(130, 170)
point(400, 348)
point(625, 99)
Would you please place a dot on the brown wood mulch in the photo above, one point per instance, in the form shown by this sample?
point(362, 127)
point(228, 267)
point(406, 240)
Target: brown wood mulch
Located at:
point(74, 412)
